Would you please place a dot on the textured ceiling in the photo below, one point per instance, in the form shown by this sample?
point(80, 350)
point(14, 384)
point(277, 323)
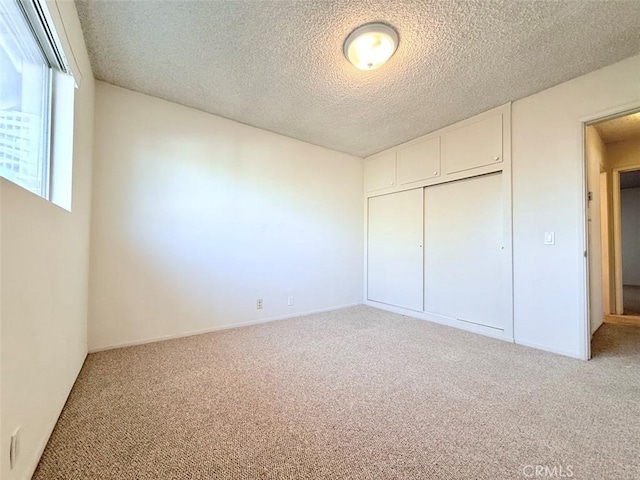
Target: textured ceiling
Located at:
point(278, 64)
point(621, 128)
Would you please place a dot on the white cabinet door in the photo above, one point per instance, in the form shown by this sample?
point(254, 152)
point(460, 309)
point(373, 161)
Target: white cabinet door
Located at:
point(464, 272)
point(380, 172)
point(474, 145)
point(394, 257)
point(419, 161)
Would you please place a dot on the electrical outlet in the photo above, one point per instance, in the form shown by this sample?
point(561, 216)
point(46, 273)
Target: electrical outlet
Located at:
point(290, 301)
point(259, 304)
point(14, 448)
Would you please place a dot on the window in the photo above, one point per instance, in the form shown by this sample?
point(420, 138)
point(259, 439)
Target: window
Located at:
point(28, 60)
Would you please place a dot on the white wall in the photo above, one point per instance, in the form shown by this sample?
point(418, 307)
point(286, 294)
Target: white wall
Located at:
point(195, 217)
point(548, 174)
point(44, 274)
point(630, 214)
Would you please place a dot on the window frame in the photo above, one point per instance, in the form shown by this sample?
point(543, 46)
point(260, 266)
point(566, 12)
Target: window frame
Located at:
point(41, 26)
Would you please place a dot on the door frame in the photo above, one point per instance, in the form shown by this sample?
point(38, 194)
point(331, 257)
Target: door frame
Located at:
point(617, 234)
point(606, 243)
point(584, 122)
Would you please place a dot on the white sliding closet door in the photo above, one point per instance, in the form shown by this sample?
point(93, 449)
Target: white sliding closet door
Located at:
point(394, 257)
point(464, 257)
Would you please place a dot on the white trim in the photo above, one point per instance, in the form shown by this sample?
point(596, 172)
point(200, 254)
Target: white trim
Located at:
point(606, 245)
point(611, 113)
point(617, 242)
point(64, 42)
point(584, 305)
point(217, 328)
point(61, 143)
point(365, 291)
point(507, 202)
point(50, 29)
point(545, 348)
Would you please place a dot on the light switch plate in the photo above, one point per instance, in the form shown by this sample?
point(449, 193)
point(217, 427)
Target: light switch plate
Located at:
point(549, 238)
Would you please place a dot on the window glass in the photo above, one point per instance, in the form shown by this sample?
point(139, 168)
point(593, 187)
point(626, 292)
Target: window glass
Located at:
point(25, 102)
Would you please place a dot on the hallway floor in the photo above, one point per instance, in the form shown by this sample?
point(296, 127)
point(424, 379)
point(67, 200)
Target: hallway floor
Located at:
point(631, 299)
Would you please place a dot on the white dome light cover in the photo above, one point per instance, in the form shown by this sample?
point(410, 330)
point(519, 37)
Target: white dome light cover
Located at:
point(370, 46)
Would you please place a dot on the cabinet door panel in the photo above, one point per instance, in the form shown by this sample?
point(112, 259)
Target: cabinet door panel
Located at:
point(380, 172)
point(474, 145)
point(419, 161)
point(394, 258)
point(464, 259)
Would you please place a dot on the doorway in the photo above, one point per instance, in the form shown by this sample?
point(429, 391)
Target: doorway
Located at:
point(630, 240)
point(612, 155)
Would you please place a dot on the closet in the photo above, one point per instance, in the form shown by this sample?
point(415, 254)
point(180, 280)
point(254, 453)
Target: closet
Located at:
point(395, 249)
point(464, 250)
point(439, 226)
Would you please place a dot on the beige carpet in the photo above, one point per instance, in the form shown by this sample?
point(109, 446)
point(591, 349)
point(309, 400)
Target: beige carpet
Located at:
point(353, 394)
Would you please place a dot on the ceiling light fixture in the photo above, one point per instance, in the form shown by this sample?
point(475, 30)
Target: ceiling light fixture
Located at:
point(370, 46)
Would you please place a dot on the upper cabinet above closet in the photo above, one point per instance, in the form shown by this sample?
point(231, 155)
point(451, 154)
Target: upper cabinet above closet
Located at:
point(475, 146)
point(380, 172)
point(419, 161)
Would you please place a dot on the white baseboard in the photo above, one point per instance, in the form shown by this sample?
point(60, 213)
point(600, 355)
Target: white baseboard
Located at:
point(218, 328)
point(478, 329)
point(442, 320)
point(544, 348)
